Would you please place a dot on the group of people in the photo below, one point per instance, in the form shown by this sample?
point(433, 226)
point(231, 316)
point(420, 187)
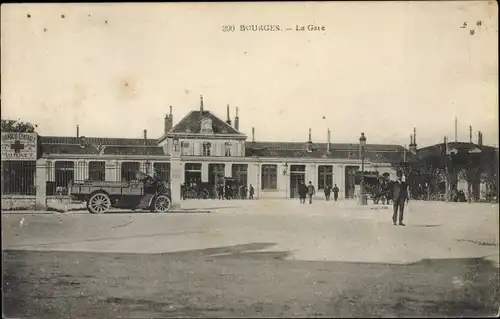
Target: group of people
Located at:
point(227, 191)
point(399, 196)
point(308, 191)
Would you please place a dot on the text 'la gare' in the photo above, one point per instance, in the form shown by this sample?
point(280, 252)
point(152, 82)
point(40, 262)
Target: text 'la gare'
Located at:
point(310, 27)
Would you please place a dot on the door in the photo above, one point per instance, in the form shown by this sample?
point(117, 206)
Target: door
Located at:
point(297, 175)
point(350, 180)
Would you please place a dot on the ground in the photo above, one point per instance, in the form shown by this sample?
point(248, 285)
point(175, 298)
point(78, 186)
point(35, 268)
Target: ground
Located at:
point(265, 258)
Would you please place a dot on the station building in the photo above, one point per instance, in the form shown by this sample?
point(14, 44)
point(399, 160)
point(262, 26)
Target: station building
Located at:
point(209, 147)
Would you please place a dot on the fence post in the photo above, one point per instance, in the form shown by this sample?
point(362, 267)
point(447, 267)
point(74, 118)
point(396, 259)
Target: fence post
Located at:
point(41, 184)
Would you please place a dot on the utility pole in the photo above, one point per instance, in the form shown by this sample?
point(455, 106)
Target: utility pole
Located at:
point(446, 177)
point(456, 129)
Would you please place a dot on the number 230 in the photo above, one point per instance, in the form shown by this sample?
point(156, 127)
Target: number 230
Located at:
point(228, 28)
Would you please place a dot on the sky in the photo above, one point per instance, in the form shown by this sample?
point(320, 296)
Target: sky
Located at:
point(380, 68)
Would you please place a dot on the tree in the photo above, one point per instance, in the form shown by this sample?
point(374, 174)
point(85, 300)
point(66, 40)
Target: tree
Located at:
point(421, 171)
point(17, 126)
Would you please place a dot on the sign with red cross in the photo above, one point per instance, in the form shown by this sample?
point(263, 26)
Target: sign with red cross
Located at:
point(19, 146)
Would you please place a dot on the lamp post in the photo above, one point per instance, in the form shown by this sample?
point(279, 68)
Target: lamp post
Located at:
point(362, 144)
point(285, 173)
point(411, 173)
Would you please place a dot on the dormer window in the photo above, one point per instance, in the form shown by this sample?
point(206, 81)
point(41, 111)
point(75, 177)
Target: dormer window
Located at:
point(207, 146)
point(227, 149)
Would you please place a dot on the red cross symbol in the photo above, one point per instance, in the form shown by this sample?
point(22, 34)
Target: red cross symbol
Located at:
point(17, 146)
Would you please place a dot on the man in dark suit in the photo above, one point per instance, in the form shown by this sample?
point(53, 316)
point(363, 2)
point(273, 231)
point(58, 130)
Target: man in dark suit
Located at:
point(399, 197)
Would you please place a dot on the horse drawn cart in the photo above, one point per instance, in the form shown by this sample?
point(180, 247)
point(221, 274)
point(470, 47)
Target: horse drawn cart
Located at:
point(146, 193)
point(378, 188)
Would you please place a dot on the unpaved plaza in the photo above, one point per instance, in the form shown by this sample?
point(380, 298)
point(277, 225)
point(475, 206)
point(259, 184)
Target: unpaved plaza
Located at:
point(254, 258)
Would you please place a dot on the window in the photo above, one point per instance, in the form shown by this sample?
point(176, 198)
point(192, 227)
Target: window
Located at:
point(129, 170)
point(163, 169)
point(269, 176)
point(325, 176)
point(97, 171)
point(207, 149)
point(184, 148)
point(227, 148)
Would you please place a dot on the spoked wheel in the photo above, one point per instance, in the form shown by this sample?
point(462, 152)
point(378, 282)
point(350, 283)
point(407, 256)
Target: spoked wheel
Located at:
point(162, 204)
point(204, 193)
point(99, 203)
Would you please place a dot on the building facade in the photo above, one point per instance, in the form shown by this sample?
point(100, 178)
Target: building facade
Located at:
point(209, 148)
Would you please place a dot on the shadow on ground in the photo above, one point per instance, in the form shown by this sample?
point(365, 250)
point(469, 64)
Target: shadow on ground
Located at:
point(241, 281)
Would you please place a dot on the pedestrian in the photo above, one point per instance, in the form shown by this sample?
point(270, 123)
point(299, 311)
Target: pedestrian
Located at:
point(220, 191)
point(399, 197)
point(302, 192)
point(250, 192)
point(335, 192)
point(310, 191)
point(327, 192)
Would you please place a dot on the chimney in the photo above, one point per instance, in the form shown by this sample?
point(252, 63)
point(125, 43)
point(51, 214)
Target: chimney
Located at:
point(456, 129)
point(470, 134)
point(82, 141)
point(145, 136)
point(253, 134)
point(169, 120)
point(309, 142)
point(77, 131)
point(201, 104)
point(328, 141)
point(228, 121)
point(415, 137)
point(411, 140)
point(479, 138)
point(237, 120)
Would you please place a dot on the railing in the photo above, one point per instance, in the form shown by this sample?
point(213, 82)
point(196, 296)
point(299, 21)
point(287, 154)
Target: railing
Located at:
point(18, 178)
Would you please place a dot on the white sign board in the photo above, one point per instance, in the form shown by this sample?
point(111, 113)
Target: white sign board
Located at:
point(19, 146)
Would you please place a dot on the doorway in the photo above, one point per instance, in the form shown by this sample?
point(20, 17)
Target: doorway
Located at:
point(350, 180)
point(216, 171)
point(297, 176)
point(192, 173)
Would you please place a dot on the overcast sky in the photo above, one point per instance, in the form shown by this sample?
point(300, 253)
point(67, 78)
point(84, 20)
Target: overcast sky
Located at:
point(379, 68)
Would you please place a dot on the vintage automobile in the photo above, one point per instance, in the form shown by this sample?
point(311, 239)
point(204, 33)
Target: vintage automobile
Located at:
point(100, 197)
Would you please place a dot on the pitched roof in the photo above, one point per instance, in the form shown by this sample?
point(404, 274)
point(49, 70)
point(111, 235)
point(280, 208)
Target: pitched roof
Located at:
point(62, 148)
point(323, 146)
point(131, 150)
point(126, 146)
point(370, 155)
point(97, 140)
point(437, 149)
point(191, 124)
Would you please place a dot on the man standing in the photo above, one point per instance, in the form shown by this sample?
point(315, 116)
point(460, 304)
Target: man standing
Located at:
point(310, 191)
point(327, 192)
point(302, 192)
point(400, 195)
point(335, 192)
point(250, 192)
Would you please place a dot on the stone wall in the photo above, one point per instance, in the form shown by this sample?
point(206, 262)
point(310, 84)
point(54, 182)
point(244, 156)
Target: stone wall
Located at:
point(19, 202)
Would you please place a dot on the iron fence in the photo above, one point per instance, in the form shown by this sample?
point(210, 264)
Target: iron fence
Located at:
point(61, 173)
point(19, 178)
